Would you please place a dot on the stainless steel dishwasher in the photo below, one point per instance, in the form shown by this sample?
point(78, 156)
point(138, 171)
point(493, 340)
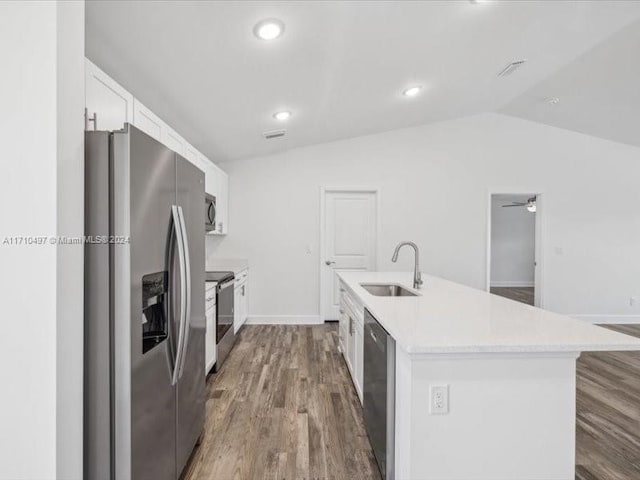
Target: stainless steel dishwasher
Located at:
point(379, 393)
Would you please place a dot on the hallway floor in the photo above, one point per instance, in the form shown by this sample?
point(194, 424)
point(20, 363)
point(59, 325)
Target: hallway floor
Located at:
point(519, 294)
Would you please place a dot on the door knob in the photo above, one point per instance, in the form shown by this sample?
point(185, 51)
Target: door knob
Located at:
point(329, 262)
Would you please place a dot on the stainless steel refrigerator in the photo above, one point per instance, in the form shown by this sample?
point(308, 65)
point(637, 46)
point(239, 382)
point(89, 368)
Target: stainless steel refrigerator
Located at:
point(144, 307)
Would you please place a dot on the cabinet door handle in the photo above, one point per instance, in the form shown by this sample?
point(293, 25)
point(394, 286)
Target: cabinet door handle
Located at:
point(88, 119)
point(329, 262)
point(342, 310)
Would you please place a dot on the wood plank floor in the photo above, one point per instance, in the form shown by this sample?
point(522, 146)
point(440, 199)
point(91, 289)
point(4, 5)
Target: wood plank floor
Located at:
point(283, 406)
point(519, 294)
point(608, 414)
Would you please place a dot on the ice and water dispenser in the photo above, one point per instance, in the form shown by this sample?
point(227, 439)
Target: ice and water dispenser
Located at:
point(155, 327)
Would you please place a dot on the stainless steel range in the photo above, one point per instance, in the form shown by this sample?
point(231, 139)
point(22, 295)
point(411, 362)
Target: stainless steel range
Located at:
point(225, 335)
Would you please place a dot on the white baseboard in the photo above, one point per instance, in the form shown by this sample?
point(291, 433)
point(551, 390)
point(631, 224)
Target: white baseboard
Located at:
point(512, 284)
point(608, 319)
point(284, 320)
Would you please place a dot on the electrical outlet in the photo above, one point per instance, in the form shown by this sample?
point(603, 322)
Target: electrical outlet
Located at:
point(439, 399)
point(633, 301)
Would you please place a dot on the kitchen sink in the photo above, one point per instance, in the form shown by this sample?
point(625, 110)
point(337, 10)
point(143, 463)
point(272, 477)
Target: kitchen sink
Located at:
point(388, 290)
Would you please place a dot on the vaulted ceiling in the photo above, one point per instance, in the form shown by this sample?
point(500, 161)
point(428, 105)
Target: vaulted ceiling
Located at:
point(340, 67)
point(598, 93)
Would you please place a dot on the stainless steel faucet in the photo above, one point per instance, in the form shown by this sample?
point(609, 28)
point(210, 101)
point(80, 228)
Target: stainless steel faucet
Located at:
point(417, 277)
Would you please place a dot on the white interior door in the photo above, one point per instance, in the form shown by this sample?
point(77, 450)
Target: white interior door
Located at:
point(349, 229)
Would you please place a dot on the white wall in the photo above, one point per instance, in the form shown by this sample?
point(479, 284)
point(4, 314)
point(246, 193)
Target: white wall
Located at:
point(70, 223)
point(40, 43)
point(513, 232)
point(434, 181)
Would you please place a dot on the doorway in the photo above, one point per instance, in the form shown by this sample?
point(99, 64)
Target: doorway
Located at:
point(514, 250)
point(348, 240)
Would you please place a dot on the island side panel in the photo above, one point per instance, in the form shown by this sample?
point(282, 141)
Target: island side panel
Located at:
point(511, 417)
point(403, 415)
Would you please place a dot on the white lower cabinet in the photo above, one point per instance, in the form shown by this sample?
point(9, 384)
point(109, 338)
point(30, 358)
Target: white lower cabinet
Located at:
point(210, 330)
point(351, 337)
point(359, 356)
point(351, 345)
point(342, 331)
point(240, 301)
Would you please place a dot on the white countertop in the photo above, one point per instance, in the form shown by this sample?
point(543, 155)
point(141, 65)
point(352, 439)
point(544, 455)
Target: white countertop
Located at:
point(235, 265)
point(448, 317)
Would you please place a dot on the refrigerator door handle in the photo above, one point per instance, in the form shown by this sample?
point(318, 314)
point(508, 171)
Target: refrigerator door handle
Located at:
point(172, 348)
point(178, 225)
point(185, 327)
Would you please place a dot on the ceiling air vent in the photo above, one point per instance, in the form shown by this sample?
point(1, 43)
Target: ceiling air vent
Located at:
point(274, 134)
point(512, 67)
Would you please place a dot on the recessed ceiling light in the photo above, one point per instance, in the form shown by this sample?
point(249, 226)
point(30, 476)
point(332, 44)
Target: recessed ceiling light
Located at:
point(412, 91)
point(282, 115)
point(269, 29)
point(553, 101)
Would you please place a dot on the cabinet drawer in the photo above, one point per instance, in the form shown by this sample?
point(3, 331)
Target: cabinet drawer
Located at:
point(210, 294)
point(346, 301)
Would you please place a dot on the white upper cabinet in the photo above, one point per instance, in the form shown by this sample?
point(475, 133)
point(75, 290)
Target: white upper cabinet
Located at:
point(147, 121)
point(109, 106)
point(223, 203)
point(193, 155)
point(152, 125)
point(217, 184)
point(172, 140)
point(113, 106)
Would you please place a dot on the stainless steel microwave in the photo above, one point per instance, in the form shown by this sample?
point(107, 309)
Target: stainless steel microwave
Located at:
point(210, 213)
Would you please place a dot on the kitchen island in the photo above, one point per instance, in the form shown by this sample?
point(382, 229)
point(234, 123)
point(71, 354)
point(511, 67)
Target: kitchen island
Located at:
point(507, 369)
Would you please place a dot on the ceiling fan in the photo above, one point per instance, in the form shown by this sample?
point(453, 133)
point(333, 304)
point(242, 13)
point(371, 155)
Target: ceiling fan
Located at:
point(530, 204)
